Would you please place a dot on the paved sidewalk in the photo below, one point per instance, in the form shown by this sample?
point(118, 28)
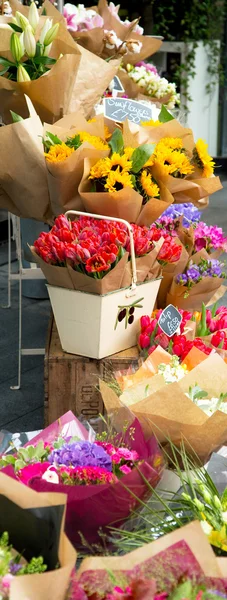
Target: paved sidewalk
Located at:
point(22, 410)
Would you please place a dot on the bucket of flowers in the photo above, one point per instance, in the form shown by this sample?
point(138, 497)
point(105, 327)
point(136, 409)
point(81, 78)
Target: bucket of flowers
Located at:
point(96, 294)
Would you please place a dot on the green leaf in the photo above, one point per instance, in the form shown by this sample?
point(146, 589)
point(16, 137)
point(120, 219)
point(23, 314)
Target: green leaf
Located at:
point(196, 393)
point(15, 27)
point(23, 454)
point(140, 156)
point(164, 115)
point(6, 63)
point(3, 71)
point(19, 464)
point(183, 591)
point(39, 449)
point(116, 142)
point(44, 60)
point(44, 12)
point(54, 139)
point(9, 459)
point(73, 142)
point(16, 118)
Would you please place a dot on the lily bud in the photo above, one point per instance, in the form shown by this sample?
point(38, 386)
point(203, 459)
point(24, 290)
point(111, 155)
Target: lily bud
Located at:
point(29, 42)
point(199, 505)
point(33, 16)
point(15, 47)
point(47, 25)
point(22, 21)
point(47, 50)
point(22, 74)
point(51, 34)
point(217, 502)
point(21, 38)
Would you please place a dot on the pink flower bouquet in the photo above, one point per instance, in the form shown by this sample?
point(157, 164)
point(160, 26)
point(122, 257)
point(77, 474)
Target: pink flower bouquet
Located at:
point(181, 565)
point(101, 479)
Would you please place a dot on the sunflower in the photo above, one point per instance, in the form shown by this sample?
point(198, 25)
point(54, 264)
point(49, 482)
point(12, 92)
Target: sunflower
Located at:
point(58, 153)
point(120, 162)
point(175, 163)
point(95, 141)
point(128, 151)
point(100, 169)
point(169, 142)
point(151, 123)
point(202, 159)
point(148, 185)
point(116, 181)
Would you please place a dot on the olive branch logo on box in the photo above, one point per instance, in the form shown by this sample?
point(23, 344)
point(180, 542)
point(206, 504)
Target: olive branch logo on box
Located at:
point(127, 313)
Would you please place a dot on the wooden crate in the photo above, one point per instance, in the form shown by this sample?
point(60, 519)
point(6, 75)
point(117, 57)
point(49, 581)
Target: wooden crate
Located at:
point(71, 381)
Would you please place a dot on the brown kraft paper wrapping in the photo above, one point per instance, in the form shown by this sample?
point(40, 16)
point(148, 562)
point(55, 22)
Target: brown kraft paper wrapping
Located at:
point(52, 584)
point(208, 290)
point(147, 267)
point(192, 534)
point(69, 278)
point(23, 177)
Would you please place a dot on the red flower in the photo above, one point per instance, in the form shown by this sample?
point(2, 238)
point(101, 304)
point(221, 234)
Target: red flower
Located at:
point(218, 338)
point(96, 264)
point(144, 322)
point(144, 340)
point(62, 221)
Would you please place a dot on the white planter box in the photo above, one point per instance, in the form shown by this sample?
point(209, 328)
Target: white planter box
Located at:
point(203, 109)
point(87, 323)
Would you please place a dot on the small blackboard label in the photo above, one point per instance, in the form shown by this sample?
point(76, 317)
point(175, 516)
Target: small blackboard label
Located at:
point(170, 320)
point(117, 85)
point(120, 109)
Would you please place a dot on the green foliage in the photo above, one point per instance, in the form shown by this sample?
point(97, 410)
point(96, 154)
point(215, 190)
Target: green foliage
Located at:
point(140, 156)
point(34, 566)
point(164, 115)
point(191, 22)
point(16, 118)
point(116, 142)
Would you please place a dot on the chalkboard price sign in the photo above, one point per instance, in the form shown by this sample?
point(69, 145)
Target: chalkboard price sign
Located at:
point(170, 320)
point(120, 109)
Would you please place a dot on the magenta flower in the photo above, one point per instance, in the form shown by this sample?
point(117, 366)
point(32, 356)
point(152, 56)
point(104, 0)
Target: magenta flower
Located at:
point(34, 471)
point(147, 66)
point(125, 469)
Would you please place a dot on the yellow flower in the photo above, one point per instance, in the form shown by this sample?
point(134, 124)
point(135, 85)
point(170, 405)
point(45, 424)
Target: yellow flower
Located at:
point(92, 120)
point(116, 181)
point(174, 162)
point(169, 142)
point(93, 140)
point(149, 186)
point(107, 132)
point(202, 159)
point(219, 538)
point(121, 162)
point(128, 152)
point(151, 123)
point(58, 153)
point(100, 169)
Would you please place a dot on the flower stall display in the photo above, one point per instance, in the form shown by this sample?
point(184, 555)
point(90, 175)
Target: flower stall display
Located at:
point(168, 410)
point(179, 565)
point(93, 474)
point(86, 265)
point(143, 79)
point(101, 31)
point(36, 557)
point(201, 281)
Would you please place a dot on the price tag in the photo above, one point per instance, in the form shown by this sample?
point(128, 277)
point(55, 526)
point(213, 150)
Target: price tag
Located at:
point(120, 109)
point(170, 320)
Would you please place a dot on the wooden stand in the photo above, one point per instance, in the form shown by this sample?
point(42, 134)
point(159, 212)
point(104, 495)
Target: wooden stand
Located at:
point(71, 381)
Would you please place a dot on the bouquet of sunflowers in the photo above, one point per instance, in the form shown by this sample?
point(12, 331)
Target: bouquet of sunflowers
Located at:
point(122, 185)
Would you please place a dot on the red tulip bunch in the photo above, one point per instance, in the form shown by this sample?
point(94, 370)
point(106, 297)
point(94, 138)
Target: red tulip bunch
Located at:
point(170, 251)
point(93, 246)
point(152, 336)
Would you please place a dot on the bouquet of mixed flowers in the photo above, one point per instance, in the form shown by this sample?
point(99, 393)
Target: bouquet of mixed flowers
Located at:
point(100, 30)
point(93, 255)
point(161, 395)
point(93, 473)
point(36, 557)
point(200, 282)
point(179, 566)
point(143, 78)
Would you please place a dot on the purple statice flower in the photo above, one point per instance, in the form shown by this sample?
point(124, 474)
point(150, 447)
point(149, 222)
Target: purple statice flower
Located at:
point(81, 454)
point(194, 273)
point(181, 279)
point(14, 567)
point(148, 67)
point(190, 213)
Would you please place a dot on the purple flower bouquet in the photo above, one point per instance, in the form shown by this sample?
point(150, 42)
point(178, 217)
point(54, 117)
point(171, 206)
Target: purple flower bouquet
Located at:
point(102, 479)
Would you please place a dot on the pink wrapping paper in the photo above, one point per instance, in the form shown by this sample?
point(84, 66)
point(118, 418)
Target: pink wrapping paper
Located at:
point(90, 508)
